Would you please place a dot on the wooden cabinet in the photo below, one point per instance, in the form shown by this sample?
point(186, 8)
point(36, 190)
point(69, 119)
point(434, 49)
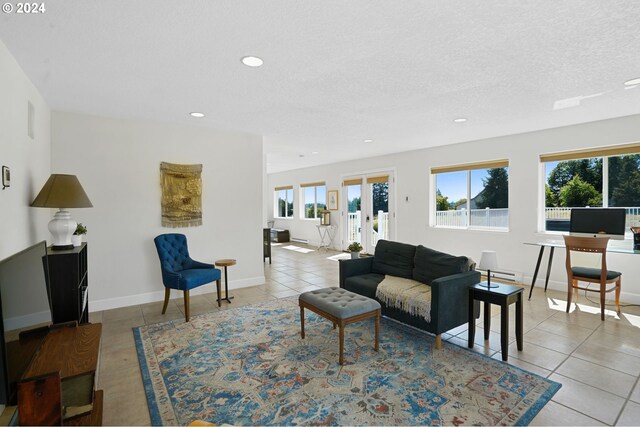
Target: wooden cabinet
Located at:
point(68, 284)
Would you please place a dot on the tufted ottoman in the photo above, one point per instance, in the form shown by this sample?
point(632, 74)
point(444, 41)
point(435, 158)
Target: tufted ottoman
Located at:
point(341, 307)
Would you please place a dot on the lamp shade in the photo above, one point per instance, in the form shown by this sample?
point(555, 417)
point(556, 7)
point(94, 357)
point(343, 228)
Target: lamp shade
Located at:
point(62, 191)
point(488, 260)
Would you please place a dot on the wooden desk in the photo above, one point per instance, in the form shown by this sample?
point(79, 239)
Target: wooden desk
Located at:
point(552, 246)
point(503, 295)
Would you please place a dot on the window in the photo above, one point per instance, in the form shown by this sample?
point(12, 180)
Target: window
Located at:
point(314, 196)
point(284, 202)
point(473, 195)
point(607, 177)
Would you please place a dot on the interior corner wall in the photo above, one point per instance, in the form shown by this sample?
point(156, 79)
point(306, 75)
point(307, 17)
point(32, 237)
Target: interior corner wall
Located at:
point(118, 163)
point(413, 194)
point(28, 158)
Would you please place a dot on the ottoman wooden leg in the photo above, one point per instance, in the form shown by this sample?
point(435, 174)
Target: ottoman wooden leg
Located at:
point(302, 321)
point(377, 329)
point(341, 357)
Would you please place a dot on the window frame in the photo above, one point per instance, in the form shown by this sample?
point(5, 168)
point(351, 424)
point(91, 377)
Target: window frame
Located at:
point(467, 168)
point(604, 153)
point(303, 200)
point(276, 208)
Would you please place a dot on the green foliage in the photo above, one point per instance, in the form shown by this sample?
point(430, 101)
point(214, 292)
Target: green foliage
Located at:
point(282, 208)
point(627, 193)
point(442, 202)
point(549, 198)
point(380, 196)
point(578, 193)
point(589, 171)
point(309, 211)
point(80, 230)
point(459, 202)
point(354, 247)
point(624, 181)
point(496, 190)
point(354, 204)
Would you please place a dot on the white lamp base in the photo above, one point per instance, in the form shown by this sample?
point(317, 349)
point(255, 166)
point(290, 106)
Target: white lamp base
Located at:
point(62, 228)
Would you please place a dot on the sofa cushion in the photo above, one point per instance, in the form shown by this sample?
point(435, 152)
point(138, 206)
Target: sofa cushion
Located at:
point(430, 264)
point(394, 258)
point(365, 284)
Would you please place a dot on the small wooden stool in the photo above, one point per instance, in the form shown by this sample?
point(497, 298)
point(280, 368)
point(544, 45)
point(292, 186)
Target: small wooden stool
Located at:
point(341, 307)
point(227, 262)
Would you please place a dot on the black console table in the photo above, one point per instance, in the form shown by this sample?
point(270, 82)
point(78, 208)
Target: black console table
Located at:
point(68, 283)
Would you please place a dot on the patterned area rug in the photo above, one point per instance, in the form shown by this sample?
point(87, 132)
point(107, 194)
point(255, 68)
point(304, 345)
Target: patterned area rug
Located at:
point(249, 366)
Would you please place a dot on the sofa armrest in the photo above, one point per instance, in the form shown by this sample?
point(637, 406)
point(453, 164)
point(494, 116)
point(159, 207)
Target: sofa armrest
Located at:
point(450, 300)
point(354, 267)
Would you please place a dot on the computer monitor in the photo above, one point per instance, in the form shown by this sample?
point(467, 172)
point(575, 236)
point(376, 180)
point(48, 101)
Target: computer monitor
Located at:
point(598, 222)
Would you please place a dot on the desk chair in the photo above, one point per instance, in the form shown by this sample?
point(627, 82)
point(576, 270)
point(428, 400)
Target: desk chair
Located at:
point(600, 275)
point(179, 271)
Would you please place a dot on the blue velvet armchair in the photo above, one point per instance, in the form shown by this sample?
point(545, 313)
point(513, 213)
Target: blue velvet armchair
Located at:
point(179, 271)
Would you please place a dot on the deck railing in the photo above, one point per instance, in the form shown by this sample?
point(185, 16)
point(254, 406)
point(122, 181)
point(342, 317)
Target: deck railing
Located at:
point(632, 218)
point(483, 218)
point(354, 227)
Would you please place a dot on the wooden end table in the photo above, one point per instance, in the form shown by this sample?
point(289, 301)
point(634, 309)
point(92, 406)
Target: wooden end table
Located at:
point(227, 262)
point(503, 295)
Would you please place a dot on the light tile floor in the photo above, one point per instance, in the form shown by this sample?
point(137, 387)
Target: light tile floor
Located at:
point(598, 363)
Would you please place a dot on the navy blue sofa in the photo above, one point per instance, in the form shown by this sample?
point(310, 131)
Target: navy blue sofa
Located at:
point(449, 277)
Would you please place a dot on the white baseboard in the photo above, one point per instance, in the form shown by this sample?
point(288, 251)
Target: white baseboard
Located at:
point(625, 297)
point(118, 302)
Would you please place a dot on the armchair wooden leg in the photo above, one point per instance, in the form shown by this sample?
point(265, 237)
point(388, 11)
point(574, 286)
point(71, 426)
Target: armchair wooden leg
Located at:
point(167, 291)
point(569, 293)
point(186, 306)
point(603, 288)
point(439, 342)
point(618, 286)
point(218, 290)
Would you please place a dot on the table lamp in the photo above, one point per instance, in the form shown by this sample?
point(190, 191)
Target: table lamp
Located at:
point(62, 192)
point(489, 261)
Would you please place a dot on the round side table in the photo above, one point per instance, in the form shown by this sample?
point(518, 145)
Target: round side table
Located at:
point(225, 263)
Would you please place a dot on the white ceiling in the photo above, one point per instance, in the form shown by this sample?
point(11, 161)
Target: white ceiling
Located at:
point(336, 72)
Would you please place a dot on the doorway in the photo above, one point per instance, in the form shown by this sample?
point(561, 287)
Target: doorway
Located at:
point(367, 210)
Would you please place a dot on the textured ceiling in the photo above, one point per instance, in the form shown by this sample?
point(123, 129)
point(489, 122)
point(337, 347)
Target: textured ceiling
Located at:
point(336, 72)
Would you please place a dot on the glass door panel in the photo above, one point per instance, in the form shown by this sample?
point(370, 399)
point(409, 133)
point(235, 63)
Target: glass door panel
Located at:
point(354, 217)
point(378, 213)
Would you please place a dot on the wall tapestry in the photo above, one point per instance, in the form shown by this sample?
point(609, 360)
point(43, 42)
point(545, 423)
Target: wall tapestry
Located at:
point(181, 195)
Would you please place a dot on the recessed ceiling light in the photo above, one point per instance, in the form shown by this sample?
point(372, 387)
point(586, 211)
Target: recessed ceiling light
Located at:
point(368, 141)
point(460, 120)
point(252, 61)
point(632, 82)
point(196, 114)
point(314, 152)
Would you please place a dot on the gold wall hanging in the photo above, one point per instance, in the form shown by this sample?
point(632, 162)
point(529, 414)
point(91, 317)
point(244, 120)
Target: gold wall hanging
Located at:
point(181, 195)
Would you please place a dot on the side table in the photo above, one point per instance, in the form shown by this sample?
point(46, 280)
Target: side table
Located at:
point(225, 263)
point(327, 234)
point(503, 295)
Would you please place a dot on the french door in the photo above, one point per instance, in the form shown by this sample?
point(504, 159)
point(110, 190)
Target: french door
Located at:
point(366, 209)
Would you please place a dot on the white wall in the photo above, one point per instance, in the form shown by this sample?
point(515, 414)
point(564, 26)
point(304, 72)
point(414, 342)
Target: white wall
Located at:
point(522, 151)
point(118, 163)
point(28, 159)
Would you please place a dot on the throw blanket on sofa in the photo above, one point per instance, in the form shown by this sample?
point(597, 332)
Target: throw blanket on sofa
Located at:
point(407, 295)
